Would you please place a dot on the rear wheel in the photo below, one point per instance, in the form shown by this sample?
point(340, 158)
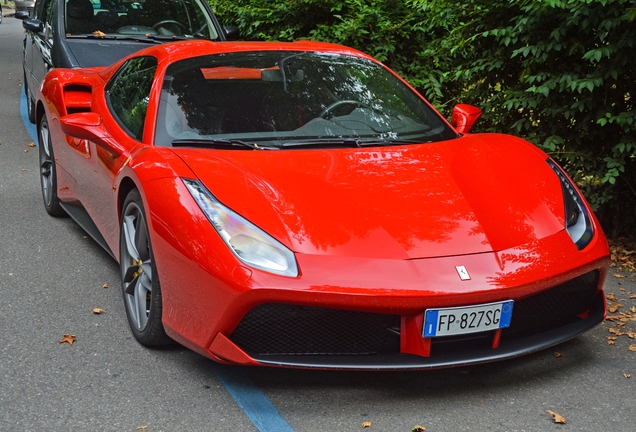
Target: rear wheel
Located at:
point(48, 175)
point(140, 283)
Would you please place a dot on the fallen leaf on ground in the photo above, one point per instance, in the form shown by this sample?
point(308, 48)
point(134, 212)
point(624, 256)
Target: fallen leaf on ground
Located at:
point(618, 275)
point(615, 331)
point(68, 339)
point(26, 151)
point(99, 33)
point(614, 308)
point(611, 340)
point(366, 424)
point(632, 296)
point(31, 144)
point(558, 354)
point(98, 311)
point(632, 348)
point(105, 285)
point(626, 375)
point(557, 418)
point(141, 427)
point(418, 428)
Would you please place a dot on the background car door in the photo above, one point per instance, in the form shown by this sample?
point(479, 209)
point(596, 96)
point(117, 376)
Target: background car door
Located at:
point(38, 45)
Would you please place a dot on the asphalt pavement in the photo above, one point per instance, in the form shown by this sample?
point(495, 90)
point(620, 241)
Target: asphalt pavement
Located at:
point(52, 276)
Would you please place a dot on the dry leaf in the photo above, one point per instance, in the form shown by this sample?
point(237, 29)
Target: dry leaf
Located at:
point(99, 33)
point(626, 375)
point(632, 348)
point(418, 428)
point(618, 275)
point(366, 424)
point(611, 297)
point(615, 331)
point(558, 354)
point(31, 144)
point(631, 334)
point(23, 169)
point(141, 427)
point(105, 285)
point(68, 339)
point(98, 311)
point(633, 309)
point(614, 308)
point(558, 418)
point(632, 296)
point(26, 151)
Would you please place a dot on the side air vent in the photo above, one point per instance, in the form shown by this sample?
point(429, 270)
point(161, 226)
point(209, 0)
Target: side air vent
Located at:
point(77, 98)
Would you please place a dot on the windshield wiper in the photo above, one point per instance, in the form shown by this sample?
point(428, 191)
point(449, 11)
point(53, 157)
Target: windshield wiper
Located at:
point(220, 143)
point(151, 39)
point(349, 142)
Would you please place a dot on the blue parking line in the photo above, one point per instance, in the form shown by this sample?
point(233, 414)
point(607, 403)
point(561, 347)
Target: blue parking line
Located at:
point(30, 127)
point(252, 401)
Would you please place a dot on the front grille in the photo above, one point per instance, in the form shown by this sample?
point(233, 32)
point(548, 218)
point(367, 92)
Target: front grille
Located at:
point(278, 329)
point(553, 308)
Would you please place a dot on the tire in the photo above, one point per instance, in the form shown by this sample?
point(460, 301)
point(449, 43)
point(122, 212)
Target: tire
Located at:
point(30, 102)
point(139, 279)
point(48, 172)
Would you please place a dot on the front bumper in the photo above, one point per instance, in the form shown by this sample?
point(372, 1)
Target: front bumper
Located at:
point(302, 337)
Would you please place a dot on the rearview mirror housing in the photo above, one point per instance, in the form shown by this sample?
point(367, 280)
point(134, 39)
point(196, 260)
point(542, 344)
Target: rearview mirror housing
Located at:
point(464, 117)
point(89, 126)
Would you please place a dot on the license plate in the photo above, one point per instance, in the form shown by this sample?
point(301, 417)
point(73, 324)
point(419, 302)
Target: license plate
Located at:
point(467, 319)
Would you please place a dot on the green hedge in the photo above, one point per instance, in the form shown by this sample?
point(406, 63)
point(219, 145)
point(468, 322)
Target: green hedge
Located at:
point(558, 73)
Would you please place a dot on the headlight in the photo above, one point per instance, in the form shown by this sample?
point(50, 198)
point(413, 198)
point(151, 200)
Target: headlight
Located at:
point(249, 243)
point(577, 219)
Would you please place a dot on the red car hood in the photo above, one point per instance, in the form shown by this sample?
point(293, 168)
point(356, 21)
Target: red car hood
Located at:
point(474, 194)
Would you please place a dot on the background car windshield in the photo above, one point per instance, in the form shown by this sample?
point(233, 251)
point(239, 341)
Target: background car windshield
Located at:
point(181, 18)
point(278, 97)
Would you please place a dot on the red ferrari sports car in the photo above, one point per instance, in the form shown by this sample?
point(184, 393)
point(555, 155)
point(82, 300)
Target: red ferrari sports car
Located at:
point(300, 205)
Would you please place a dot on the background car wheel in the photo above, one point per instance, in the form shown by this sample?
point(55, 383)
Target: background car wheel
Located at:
point(48, 175)
point(140, 283)
point(29, 100)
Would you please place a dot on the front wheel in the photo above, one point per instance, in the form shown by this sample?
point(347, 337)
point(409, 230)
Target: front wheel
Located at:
point(48, 175)
point(139, 280)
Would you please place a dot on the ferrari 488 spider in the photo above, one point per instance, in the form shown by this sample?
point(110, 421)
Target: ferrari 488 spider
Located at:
point(300, 205)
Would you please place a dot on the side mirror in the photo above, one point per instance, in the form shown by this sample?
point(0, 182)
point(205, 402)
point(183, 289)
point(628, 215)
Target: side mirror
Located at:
point(89, 126)
point(231, 32)
point(464, 117)
point(22, 15)
point(32, 25)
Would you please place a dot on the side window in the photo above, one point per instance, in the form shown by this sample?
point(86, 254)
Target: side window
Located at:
point(50, 19)
point(47, 15)
point(128, 93)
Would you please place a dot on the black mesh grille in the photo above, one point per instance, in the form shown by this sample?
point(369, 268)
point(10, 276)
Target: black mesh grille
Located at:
point(277, 329)
point(553, 308)
point(298, 330)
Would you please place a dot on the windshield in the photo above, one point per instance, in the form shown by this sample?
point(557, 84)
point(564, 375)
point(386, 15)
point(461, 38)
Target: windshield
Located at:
point(183, 19)
point(283, 99)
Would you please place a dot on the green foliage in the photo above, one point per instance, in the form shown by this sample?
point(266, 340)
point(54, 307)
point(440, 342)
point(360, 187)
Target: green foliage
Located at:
point(559, 73)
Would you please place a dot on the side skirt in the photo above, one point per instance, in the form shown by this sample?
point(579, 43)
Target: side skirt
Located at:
point(80, 215)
